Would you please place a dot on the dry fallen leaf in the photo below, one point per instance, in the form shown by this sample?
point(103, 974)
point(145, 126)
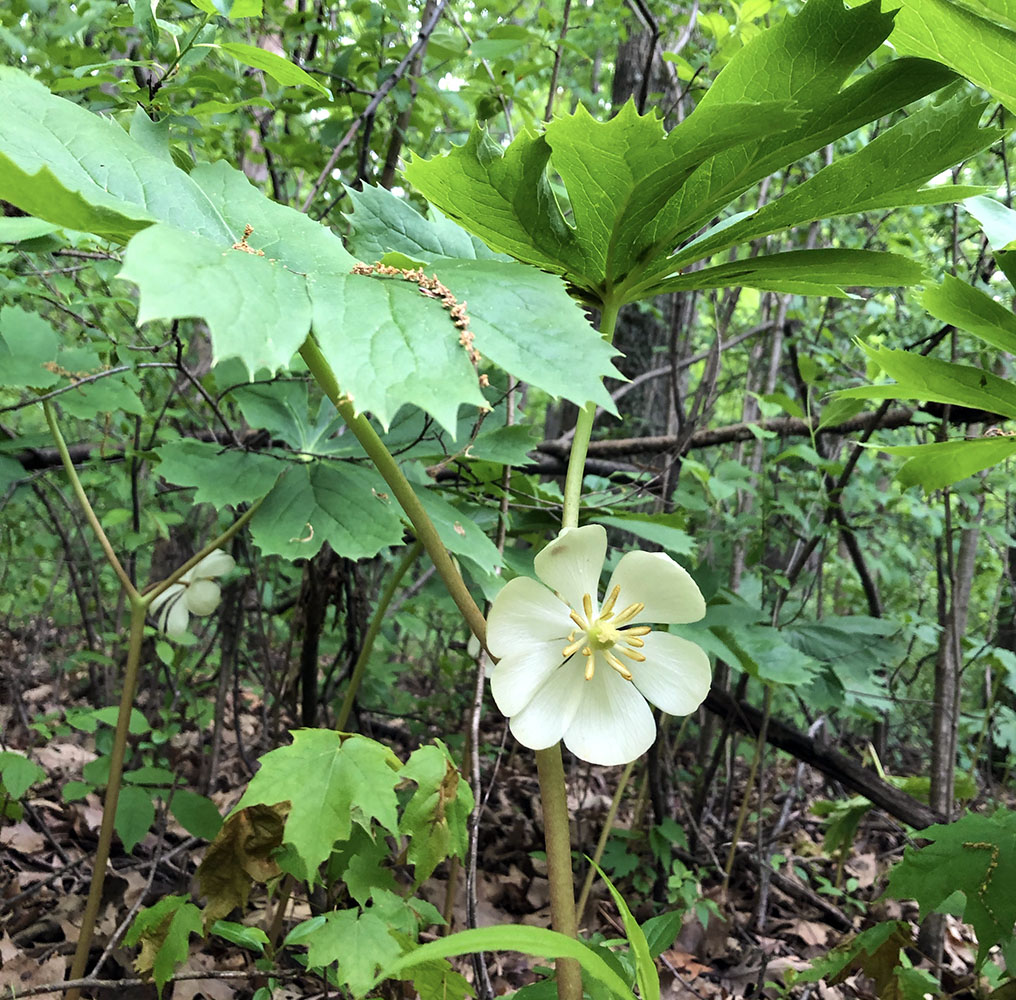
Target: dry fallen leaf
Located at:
point(22, 838)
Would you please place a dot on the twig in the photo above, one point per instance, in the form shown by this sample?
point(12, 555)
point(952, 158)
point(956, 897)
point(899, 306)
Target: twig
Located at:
point(372, 105)
point(122, 984)
point(558, 53)
point(746, 431)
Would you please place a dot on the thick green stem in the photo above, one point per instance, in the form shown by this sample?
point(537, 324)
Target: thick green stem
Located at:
point(553, 790)
point(583, 431)
point(382, 458)
point(360, 667)
point(139, 608)
point(554, 799)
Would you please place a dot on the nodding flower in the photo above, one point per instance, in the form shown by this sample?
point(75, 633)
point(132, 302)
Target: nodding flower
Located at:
point(195, 593)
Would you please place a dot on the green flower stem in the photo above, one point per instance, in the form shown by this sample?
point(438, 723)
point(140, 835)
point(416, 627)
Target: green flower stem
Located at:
point(382, 458)
point(553, 790)
point(583, 431)
point(360, 667)
point(86, 507)
point(601, 844)
point(139, 609)
point(554, 798)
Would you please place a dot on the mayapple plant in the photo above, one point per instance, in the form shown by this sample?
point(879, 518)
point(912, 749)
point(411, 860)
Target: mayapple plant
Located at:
point(642, 212)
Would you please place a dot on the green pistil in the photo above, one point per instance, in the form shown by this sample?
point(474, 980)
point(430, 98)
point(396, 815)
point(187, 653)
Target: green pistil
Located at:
point(606, 634)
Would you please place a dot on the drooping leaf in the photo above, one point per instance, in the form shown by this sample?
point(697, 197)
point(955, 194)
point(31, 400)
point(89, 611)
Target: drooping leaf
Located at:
point(331, 780)
point(919, 377)
point(803, 272)
point(207, 244)
point(939, 464)
point(970, 309)
point(888, 172)
point(241, 853)
point(63, 164)
point(635, 193)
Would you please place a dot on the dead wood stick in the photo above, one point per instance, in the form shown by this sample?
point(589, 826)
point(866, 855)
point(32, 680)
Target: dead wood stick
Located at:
point(831, 763)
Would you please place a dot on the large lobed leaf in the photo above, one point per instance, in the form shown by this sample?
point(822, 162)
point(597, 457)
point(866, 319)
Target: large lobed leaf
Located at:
point(635, 193)
point(263, 292)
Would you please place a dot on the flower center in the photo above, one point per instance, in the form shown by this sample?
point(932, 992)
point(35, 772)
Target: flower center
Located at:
point(606, 634)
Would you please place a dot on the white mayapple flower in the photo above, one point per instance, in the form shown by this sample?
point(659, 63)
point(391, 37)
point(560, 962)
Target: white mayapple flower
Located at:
point(195, 593)
point(572, 668)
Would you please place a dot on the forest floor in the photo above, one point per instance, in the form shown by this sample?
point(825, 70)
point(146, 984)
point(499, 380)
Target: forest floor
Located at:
point(769, 919)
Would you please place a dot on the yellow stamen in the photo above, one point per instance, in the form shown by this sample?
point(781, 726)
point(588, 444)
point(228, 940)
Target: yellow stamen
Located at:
point(617, 664)
point(587, 606)
point(637, 630)
point(573, 647)
point(628, 614)
point(590, 663)
point(610, 602)
point(579, 620)
point(634, 641)
point(631, 654)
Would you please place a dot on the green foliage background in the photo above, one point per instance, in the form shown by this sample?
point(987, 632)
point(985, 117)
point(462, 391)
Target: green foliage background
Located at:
point(802, 215)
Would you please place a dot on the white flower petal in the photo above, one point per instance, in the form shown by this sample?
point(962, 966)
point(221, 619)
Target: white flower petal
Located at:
point(676, 674)
point(173, 590)
point(519, 675)
point(175, 618)
point(216, 563)
point(613, 724)
point(544, 720)
point(670, 595)
point(525, 613)
point(202, 597)
point(571, 564)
